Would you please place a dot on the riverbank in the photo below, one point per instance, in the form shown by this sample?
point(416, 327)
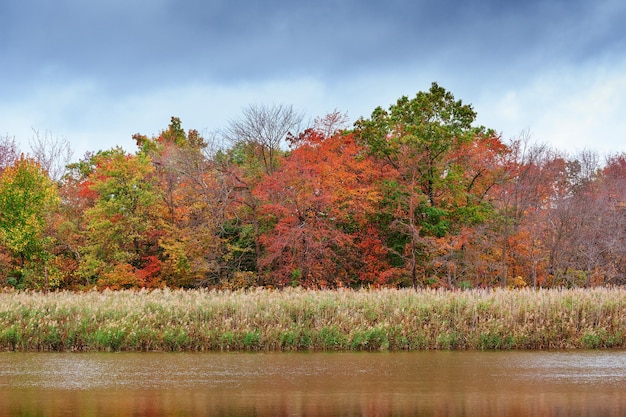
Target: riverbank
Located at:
point(296, 319)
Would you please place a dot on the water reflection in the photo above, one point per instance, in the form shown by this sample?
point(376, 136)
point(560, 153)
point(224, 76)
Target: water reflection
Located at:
point(314, 384)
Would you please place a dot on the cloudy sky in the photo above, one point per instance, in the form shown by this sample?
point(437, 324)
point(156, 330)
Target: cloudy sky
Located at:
point(95, 72)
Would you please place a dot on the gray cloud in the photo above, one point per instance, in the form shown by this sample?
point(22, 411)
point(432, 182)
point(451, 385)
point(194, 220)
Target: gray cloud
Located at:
point(135, 43)
point(65, 58)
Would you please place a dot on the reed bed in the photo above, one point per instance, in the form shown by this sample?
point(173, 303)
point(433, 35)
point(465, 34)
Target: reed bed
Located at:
point(297, 319)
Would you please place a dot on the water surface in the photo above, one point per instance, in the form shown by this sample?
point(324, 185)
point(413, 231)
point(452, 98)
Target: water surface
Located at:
point(579, 383)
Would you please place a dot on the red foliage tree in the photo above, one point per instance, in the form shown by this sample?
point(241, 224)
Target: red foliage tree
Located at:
point(318, 205)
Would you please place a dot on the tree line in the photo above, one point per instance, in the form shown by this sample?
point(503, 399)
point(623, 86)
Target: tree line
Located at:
point(415, 195)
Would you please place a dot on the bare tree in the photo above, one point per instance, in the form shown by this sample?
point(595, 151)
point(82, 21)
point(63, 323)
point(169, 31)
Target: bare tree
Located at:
point(331, 123)
point(264, 128)
point(52, 153)
point(9, 151)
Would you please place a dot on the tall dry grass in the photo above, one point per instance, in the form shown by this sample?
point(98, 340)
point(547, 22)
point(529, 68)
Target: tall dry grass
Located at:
point(297, 319)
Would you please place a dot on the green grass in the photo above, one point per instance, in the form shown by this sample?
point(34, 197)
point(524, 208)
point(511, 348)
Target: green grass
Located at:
point(297, 319)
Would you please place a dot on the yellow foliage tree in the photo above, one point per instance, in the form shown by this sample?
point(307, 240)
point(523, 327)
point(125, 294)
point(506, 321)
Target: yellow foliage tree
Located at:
point(27, 197)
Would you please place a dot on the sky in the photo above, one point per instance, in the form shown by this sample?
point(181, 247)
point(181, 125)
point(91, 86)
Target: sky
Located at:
point(96, 72)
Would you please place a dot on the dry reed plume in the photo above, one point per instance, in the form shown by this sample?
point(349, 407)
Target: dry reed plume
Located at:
point(296, 319)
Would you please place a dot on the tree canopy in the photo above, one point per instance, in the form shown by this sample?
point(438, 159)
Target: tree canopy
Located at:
point(416, 194)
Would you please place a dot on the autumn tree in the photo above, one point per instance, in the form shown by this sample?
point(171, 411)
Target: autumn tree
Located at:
point(319, 203)
point(559, 215)
point(613, 195)
point(256, 142)
point(533, 174)
point(123, 224)
point(27, 199)
point(588, 223)
point(422, 140)
point(195, 250)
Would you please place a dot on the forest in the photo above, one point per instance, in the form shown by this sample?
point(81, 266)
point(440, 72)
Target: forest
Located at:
point(416, 195)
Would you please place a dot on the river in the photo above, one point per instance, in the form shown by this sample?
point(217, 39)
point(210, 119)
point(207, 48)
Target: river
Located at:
point(431, 383)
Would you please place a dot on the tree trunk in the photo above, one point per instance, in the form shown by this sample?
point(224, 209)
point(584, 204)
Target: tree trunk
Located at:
point(504, 260)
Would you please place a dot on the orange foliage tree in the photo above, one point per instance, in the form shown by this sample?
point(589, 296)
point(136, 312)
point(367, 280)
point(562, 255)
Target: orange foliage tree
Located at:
point(196, 203)
point(317, 208)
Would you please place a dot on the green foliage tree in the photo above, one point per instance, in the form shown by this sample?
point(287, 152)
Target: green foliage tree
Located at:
point(123, 224)
point(423, 141)
point(27, 199)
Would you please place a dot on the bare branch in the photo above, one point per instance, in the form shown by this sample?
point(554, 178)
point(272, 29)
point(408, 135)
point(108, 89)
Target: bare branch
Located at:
point(9, 151)
point(264, 128)
point(52, 153)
